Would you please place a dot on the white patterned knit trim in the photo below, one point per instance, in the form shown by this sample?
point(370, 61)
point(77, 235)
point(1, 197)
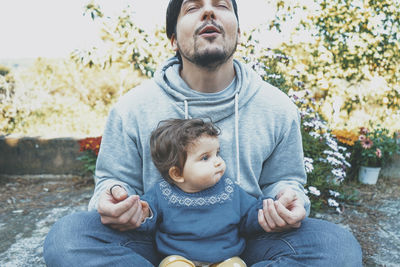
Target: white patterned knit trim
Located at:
point(182, 200)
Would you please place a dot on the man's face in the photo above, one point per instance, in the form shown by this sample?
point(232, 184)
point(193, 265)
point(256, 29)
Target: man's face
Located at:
point(206, 32)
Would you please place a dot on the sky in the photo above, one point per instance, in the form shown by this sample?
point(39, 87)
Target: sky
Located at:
point(54, 28)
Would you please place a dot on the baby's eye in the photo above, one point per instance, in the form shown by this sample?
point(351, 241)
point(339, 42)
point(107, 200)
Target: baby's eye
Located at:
point(204, 157)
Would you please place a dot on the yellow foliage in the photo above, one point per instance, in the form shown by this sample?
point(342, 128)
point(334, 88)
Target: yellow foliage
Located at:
point(63, 98)
point(345, 136)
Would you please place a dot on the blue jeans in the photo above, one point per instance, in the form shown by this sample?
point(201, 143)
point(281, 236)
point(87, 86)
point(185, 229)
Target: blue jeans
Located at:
point(81, 239)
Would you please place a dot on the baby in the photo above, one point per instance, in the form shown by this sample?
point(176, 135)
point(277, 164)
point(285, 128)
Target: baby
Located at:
point(199, 215)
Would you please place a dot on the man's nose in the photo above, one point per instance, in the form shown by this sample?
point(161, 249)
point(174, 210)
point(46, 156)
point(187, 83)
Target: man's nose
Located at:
point(208, 12)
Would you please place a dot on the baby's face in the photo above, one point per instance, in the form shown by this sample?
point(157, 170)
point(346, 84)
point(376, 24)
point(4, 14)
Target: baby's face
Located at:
point(203, 167)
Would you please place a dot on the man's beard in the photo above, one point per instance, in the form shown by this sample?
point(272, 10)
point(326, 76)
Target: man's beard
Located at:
point(208, 59)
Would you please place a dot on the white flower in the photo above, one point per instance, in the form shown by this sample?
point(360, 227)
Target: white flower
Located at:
point(274, 76)
point(333, 161)
point(332, 202)
point(308, 124)
point(331, 143)
point(314, 191)
point(310, 110)
point(335, 154)
point(320, 124)
point(308, 164)
point(303, 113)
point(334, 193)
point(315, 135)
point(339, 173)
point(336, 158)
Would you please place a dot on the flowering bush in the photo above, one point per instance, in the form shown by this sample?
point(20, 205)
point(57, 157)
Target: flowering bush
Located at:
point(324, 159)
point(375, 147)
point(90, 147)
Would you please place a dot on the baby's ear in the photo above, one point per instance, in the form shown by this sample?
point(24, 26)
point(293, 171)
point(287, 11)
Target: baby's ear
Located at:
point(175, 174)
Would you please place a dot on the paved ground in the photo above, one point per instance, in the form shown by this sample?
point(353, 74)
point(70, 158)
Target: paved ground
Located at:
point(374, 219)
point(30, 206)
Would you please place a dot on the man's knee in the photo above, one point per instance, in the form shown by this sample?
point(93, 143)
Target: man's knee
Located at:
point(66, 232)
point(333, 242)
point(315, 243)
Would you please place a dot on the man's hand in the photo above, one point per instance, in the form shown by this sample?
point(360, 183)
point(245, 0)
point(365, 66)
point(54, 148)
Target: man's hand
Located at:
point(119, 211)
point(285, 213)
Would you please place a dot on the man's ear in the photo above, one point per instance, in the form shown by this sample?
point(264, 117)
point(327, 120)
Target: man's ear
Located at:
point(175, 174)
point(174, 43)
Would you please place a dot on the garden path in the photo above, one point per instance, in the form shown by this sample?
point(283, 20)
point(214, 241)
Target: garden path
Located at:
point(31, 205)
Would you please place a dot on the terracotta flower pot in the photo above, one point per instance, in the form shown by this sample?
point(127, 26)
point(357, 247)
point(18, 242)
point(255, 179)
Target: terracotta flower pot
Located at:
point(368, 175)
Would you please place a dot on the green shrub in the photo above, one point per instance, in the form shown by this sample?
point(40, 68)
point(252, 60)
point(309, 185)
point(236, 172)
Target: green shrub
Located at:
point(4, 70)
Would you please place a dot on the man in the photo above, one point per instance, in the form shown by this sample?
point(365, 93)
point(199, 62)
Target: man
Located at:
point(260, 137)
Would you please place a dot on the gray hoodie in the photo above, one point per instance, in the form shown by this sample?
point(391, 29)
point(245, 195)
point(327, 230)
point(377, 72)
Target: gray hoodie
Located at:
point(260, 140)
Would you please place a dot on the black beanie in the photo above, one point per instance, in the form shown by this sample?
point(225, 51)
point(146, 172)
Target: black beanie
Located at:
point(173, 10)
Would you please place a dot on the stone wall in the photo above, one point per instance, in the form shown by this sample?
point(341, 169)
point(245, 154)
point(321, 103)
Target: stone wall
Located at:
point(393, 169)
point(30, 155)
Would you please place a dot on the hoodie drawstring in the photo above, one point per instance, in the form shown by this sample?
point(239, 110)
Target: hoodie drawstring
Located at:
point(237, 138)
point(186, 109)
point(236, 133)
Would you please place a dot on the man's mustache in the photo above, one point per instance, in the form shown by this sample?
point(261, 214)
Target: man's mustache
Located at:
point(206, 23)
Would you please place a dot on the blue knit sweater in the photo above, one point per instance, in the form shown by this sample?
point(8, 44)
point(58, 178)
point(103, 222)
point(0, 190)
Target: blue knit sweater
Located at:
point(206, 226)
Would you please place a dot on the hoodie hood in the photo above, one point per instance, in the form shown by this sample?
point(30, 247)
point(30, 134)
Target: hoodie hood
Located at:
point(196, 105)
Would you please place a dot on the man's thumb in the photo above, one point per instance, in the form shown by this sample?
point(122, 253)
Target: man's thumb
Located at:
point(119, 193)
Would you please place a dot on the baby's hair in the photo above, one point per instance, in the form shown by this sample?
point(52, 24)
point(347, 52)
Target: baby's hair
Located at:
point(170, 140)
